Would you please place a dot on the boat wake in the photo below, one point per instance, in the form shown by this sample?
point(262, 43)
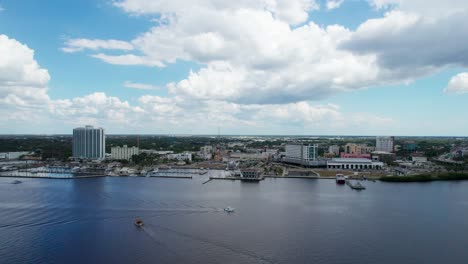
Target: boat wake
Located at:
point(237, 250)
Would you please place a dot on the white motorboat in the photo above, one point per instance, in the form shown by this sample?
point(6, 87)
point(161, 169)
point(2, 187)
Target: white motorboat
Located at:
point(229, 209)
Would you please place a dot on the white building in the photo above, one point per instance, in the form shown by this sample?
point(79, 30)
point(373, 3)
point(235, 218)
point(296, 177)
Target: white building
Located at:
point(123, 153)
point(301, 154)
point(206, 149)
point(384, 144)
point(186, 156)
point(354, 164)
point(335, 149)
point(89, 143)
point(206, 152)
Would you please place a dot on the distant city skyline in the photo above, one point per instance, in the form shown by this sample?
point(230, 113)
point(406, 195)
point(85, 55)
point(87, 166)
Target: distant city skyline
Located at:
point(296, 67)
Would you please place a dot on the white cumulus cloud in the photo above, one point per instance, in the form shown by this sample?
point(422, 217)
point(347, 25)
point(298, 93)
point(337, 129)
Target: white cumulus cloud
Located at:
point(333, 4)
point(270, 52)
point(458, 84)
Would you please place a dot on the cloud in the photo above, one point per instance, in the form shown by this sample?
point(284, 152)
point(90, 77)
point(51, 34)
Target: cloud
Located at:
point(248, 49)
point(290, 11)
point(2, 8)
point(25, 106)
point(266, 52)
point(431, 8)
point(127, 59)
point(333, 4)
point(75, 45)
point(410, 44)
point(458, 84)
point(140, 86)
point(21, 77)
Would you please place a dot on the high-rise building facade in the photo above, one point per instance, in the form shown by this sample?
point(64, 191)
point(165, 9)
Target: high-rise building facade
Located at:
point(301, 154)
point(89, 143)
point(124, 153)
point(384, 144)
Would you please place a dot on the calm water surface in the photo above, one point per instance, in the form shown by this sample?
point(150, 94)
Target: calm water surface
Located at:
point(276, 221)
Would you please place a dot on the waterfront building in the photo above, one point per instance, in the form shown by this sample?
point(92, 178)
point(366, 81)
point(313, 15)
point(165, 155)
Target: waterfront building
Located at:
point(384, 144)
point(123, 153)
point(334, 149)
point(354, 164)
point(355, 156)
point(301, 154)
point(250, 174)
point(89, 143)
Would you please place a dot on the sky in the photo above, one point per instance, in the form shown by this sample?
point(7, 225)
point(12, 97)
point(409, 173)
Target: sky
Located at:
point(248, 67)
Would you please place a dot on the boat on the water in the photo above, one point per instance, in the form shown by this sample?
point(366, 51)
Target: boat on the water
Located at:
point(138, 222)
point(16, 182)
point(340, 179)
point(356, 186)
point(229, 209)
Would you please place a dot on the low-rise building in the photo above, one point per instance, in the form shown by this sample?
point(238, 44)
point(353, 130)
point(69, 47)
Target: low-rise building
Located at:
point(158, 152)
point(246, 156)
point(354, 164)
point(123, 153)
point(358, 149)
point(186, 156)
point(355, 156)
point(250, 173)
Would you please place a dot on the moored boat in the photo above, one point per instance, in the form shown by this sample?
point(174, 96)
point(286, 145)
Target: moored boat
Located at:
point(340, 179)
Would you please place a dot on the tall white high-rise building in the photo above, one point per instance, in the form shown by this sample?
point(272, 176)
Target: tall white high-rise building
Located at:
point(384, 144)
point(89, 143)
point(124, 153)
point(301, 154)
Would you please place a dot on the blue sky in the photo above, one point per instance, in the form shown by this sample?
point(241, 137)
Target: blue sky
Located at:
point(377, 67)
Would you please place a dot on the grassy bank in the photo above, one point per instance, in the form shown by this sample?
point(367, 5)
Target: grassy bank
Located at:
point(452, 176)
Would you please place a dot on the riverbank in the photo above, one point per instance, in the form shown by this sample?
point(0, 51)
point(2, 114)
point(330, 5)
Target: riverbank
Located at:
point(453, 176)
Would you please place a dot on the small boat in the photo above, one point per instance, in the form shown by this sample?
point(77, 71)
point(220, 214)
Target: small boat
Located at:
point(16, 182)
point(138, 222)
point(340, 179)
point(229, 209)
point(357, 186)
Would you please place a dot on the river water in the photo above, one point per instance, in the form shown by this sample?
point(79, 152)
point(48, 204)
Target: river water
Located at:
point(276, 221)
